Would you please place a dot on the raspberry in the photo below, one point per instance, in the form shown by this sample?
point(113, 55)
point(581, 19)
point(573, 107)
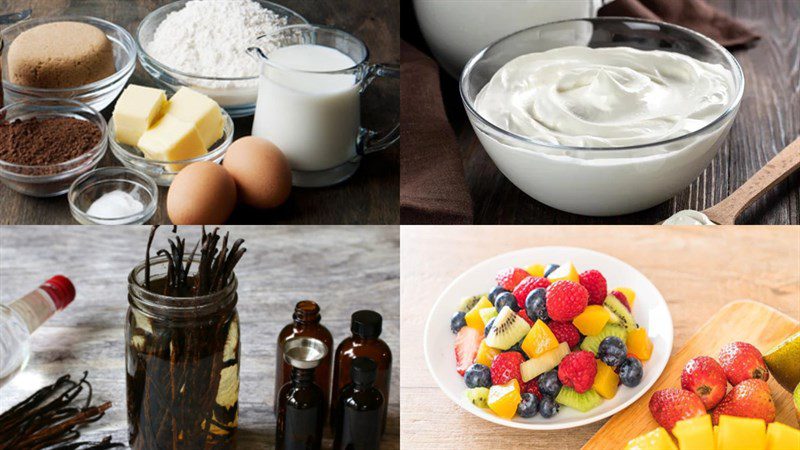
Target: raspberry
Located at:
point(524, 314)
point(505, 367)
point(566, 300)
point(532, 387)
point(577, 370)
point(595, 283)
point(510, 278)
point(526, 286)
point(621, 297)
point(565, 332)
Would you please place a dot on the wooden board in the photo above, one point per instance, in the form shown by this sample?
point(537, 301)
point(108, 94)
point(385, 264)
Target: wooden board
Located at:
point(744, 320)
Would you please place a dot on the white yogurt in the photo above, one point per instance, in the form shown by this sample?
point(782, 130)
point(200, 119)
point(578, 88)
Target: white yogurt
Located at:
point(605, 97)
point(314, 118)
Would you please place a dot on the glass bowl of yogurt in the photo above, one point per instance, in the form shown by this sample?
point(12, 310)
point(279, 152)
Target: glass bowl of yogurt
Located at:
point(169, 48)
point(602, 116)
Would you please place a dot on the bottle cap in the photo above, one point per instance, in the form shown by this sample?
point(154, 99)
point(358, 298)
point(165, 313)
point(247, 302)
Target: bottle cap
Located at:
point(60, 289)
point(363, 370)
point(366, 324)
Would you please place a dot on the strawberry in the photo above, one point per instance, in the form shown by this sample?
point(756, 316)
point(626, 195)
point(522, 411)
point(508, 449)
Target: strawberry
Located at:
point(505, 367)
point(526, 286)
point(524, 314)
point(468, 340)
point(705, 377)
point(577, 370)
point(565, 332)
point(750, 398)
point(622, 298)
point(595, 283)
point(566, 300)
point(532, 387)
point(668, 406)
point(741, 361)
point(509, 279)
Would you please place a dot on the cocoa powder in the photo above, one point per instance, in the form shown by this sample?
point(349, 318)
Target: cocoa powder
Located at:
point(44, 142)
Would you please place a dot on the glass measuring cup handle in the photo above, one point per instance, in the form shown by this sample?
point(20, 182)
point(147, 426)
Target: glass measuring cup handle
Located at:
point(370, 141)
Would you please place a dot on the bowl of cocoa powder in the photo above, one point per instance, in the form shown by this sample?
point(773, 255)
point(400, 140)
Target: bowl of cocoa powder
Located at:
point(45, 144)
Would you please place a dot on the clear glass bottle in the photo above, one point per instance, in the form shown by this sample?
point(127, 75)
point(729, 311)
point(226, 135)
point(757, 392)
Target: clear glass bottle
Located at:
point(302, 403)
point(20, 318)
point(306, 323)
point(358, 415)
point(366, 327)
point(182, 361)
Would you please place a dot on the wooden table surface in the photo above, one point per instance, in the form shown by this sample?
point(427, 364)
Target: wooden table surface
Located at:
point(768, 120)
point(696, 269)
point(344, 268)
point(369, 197)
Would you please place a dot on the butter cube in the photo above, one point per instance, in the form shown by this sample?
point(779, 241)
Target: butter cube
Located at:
point(136, 110)
point(172, 139)
point(195, 108)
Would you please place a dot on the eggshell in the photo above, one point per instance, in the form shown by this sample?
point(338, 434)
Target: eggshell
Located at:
point(203, 193)
point(261, 172)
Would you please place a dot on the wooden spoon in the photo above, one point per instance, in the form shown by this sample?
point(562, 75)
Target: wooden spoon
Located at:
point(775, 171)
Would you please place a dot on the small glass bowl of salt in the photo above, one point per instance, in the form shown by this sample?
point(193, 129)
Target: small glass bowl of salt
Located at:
point(113, 196)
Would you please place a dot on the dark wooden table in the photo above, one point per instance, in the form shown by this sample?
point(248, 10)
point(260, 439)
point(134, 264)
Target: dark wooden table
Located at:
point(369, 197)
point(352, 268)
point(768, 120)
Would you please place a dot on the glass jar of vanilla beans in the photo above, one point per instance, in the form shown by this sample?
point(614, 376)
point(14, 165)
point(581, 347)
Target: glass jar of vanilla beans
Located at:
point(182, 353)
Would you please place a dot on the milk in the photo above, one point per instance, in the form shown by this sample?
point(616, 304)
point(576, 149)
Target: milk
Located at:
point(314, 118)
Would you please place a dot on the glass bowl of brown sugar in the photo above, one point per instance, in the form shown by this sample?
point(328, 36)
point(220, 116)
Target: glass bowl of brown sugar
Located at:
point(45, 144)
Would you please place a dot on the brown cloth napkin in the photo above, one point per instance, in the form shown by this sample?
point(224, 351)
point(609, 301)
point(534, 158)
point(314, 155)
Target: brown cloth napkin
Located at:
point(433, 189)
point(695, 14)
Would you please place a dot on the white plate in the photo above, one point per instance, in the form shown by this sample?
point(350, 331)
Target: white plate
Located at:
point(650, 311)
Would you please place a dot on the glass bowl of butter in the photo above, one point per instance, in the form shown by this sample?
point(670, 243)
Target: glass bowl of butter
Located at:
point(159, 137)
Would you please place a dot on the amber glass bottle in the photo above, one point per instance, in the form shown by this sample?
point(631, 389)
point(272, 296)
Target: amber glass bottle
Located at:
point(365, 341)
point(359, 412)
point(301, 403)
point(306, 323)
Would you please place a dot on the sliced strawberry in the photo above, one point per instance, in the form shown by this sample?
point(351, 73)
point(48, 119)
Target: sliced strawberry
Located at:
point(468, 340)
point(510, 278)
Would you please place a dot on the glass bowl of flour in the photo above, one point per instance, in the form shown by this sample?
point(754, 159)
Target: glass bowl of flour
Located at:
point(202, 44)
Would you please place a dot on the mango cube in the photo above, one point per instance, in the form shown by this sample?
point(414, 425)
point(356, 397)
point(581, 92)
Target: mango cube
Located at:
point(657, 439)
point(592, 320)
point(137, 109)
point(606, 381)
point(741, 433)
point(486, 354)
point(504, 398)
point(639, 344)
point(539, 340)
point(473, 317)
point(780, 437)
point(629, 294)
point(201, 111)
point(565, 271)
point(535, 270)
point(695, 433)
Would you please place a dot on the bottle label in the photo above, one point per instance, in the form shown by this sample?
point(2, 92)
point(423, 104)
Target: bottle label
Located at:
point(34, 308)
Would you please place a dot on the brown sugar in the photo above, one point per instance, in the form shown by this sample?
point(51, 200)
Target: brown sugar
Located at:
point(60, 55)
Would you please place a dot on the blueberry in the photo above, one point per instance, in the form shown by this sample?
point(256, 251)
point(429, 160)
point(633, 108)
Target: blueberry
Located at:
point(549, 384)
point(495, 292)
point(506, 299)
point(612, 351)
point(548, 407)
point(457, 322)
point(536, 305)
point(630, 372)
point(488, 327)
point(549, 269)
point(529, 405)
point(478, 375)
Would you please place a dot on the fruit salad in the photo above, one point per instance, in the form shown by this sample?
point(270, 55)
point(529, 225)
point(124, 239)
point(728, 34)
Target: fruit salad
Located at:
point(547, 337)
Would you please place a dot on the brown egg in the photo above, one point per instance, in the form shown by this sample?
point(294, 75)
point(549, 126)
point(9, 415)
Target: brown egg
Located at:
point(203, 193)
point(261, 171)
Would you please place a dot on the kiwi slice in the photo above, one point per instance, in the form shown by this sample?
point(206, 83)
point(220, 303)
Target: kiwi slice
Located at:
point(612, 318)
point(508, 329)
point(592, 343)
point(619, 310)
point(468, 303)
point(478, 396)
point(582, 402)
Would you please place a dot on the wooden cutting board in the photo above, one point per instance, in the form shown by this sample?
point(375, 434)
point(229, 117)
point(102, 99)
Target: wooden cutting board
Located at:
point(743, 320)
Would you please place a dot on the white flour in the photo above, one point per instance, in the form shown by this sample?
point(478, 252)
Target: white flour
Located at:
point(210, 38)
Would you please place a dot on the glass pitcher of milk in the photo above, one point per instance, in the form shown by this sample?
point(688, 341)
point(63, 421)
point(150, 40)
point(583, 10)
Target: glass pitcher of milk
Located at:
point(309, 101)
